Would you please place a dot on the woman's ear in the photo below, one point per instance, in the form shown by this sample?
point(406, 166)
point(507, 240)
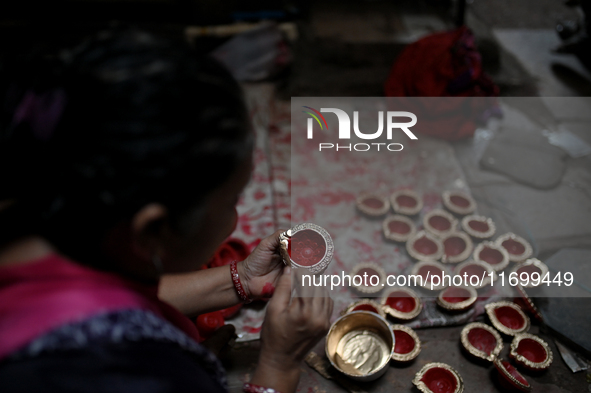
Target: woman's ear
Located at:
point(149, 230)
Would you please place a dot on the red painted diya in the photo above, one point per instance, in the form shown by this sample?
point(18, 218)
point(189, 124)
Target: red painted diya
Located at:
point(365, 271)
point(527, 269)
point(307, 246)
point(507, 317)
point(517, 247)
point(424, 246)
point(365, 305)
point(480, 269)
point(510, 378)
point(407, 345)
point(439, 222)
point(428, 269)
point(531, 352)
point(457, 247)
point(373, 205)
point(438, 378)
point(398, 228)
point(478, 227)
point(406, 202)
point(481, 341)
point(457, 298)
point(402, 303)
point(458, 202)
point(493, 254)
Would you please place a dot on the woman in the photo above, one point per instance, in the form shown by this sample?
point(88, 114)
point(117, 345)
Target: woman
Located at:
point(121, 161)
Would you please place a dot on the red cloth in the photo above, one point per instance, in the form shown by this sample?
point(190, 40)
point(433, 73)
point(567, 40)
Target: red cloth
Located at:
point(42, 295)
point(443, 65)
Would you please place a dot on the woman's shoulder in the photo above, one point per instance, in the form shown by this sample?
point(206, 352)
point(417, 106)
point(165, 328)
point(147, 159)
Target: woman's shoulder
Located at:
point(123, 351)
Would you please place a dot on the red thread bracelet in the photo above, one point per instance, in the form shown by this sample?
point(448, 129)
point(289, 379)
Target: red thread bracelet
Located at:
point(237, 284)
point(250, 388)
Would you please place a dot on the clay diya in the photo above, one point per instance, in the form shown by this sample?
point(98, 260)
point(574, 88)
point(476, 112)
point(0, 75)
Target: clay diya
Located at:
point(493, 254)
point(481, 341)
point(510, 378)
point(526, 303)
point(457, 247)
point(517, 247)
point(360, 345)
point(457, 298)
point(531, 352)
point(365, 305)
point(439, 222)
point(424, 246)
point(479, 269)
point(402, 303)
point(307, 246)
point(438, 378)
point(507, 317)
point(478, 227)
point(428, 269)
point(365, 271)
point(458, 202)
point(406, 202)
point(373, 205)
point(398, 228)
point(407, 345)
point(527, 269)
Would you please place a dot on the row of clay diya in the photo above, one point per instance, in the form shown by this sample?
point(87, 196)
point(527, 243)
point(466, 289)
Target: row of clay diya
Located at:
point(484, 343)
point(442, 237)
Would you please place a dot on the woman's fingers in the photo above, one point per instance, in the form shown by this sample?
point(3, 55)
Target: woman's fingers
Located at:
point(282, 296)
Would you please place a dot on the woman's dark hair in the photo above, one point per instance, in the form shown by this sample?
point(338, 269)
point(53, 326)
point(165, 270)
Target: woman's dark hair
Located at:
point(123, 120)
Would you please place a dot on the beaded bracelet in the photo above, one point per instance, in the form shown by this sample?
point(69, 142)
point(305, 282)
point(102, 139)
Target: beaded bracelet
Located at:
point(237, 284)
point(250, 388)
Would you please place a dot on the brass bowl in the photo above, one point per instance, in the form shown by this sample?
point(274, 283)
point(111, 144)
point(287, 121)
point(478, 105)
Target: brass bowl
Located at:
point(360, 345)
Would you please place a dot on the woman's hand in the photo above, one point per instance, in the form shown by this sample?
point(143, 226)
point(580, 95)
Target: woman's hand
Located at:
point(291, 328)
point(260, 272)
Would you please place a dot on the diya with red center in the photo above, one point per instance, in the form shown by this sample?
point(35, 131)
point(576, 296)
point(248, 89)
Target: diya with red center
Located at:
point(531, 352)
point(439, 222)
point(428, 269)
point(479, 227)
point(457, 247)
point(369, 285)
point(517, 247)
point(457, 298)
point(481, 341)
point(407, 345)
point(479, 269)
point(458, 202)
point(424, 246)
point(528, 270)
point(373, 205)
point(507, 317)
point(509, 378)
point(438, 378)
point(307, 246)
point(402, 303)
point(493, 254)
point(406, 202)
point(398, 228)
point(365, 305)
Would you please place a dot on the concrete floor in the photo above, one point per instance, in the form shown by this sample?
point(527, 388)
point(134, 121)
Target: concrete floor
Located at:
point(341, 54)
